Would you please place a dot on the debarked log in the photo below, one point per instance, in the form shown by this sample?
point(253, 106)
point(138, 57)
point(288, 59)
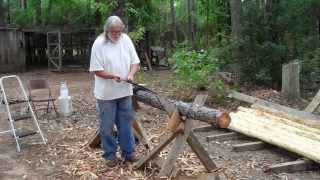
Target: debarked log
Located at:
point(293, 135)
point(208, 115)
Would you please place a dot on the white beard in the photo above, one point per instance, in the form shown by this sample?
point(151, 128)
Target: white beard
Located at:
point(112, 39)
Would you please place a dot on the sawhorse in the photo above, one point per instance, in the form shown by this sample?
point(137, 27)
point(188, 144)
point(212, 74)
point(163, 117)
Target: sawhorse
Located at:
point(180, 132)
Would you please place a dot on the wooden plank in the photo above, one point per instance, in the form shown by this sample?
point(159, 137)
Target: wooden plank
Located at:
point(314, 104)
point(155, 151)
point(177, 147)
point(202, 154)
point(94, 140)
point(280, 114)
point(140, 131)
point(251, 146)
point(293, 166)
point(148, 61)
point(254, 100)
point(204, 128)
point(225, 136)
point(285, 133)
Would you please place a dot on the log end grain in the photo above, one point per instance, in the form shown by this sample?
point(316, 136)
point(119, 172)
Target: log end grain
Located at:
point(223, 120)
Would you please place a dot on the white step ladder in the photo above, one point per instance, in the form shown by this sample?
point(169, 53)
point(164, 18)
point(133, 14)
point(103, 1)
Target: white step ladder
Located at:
point(4, 101)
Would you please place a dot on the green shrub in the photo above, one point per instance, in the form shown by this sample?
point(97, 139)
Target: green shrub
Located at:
point(195, 69)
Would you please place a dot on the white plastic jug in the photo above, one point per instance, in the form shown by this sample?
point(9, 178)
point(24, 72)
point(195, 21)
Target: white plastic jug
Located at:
point(64, 92)
point(64, 100)
point(65, 105)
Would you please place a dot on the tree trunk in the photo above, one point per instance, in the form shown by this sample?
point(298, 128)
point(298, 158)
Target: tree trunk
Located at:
point(9, 15)
point(2, 13)
point(120, 9)
point(37, 5)
point(97, 15)
point(191, 37)
point(298, 136)
point(207, 22)
point(23, 4)
point(194, 22)
point(235, 7)
point(173, 17)
point(208, 115)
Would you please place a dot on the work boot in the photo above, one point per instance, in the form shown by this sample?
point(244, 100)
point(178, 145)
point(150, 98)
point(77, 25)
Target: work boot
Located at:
point(132, 159)
point(112, 162)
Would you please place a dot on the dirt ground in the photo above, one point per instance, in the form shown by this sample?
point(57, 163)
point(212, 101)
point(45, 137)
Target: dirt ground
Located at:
point(66, 155)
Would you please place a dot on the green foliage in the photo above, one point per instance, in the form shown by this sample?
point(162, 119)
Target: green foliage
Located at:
point(138, 34)
point(194, 69)
point(72, 13)
point(274, 33)
point(311, 67)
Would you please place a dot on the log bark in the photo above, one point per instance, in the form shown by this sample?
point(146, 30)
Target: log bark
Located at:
point(208, 115)
point(292, 135)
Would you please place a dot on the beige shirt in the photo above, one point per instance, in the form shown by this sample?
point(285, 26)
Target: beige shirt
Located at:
point(115, 58)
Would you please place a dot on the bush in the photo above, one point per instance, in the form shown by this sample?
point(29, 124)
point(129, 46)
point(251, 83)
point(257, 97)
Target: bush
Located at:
point(196, 69)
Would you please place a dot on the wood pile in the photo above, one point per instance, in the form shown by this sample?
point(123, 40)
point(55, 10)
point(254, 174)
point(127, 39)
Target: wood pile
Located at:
point(291, 132)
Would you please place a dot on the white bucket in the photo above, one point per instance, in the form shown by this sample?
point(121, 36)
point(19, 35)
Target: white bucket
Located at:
point(65, 105)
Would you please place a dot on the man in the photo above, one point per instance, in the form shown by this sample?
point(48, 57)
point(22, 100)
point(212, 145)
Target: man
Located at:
point(115, 61)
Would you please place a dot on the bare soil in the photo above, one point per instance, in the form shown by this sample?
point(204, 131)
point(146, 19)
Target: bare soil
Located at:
point(66, 155)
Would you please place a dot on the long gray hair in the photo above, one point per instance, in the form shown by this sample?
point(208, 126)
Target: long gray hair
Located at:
point(111, 21)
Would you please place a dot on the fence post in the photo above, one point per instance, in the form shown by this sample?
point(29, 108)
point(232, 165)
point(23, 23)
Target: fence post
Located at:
point(291, 79)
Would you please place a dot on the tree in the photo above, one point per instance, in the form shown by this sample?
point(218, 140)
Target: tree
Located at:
point(191, 31)
point(2, 13)
point(235, 7)
point(173, 17)
point(36, 5)
point(23, 4)
point(120, 9)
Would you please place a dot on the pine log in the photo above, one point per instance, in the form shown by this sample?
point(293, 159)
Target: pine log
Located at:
point(280, 131)
point(208, 115)
point(285, 109)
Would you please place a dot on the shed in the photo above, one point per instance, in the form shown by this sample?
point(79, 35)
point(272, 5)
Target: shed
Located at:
point(12, 50)
point(21, 49)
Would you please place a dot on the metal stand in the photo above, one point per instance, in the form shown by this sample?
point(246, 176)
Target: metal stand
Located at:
point(12, 119)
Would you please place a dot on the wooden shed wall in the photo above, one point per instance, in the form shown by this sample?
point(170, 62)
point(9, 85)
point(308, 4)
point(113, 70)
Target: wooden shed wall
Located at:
point(12, 51)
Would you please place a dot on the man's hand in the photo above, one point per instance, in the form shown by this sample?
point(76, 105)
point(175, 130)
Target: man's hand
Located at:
point(130, 78)
point(116, 78)
point(133, 69)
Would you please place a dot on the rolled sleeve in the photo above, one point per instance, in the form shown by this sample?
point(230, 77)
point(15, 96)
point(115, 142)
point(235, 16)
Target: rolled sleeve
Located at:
point(96, 60)
point(134, 58)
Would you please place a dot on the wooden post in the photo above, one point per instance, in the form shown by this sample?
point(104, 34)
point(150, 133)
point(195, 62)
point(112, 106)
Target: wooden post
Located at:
point(202, 154)
point(314, 103)
point(182, 134)
point(155, 151)
point(291, 80)
point(148, 61)
point(177, 147)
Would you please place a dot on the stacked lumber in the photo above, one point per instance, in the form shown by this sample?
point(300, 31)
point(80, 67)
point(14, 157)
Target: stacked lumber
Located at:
point(293, 133)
